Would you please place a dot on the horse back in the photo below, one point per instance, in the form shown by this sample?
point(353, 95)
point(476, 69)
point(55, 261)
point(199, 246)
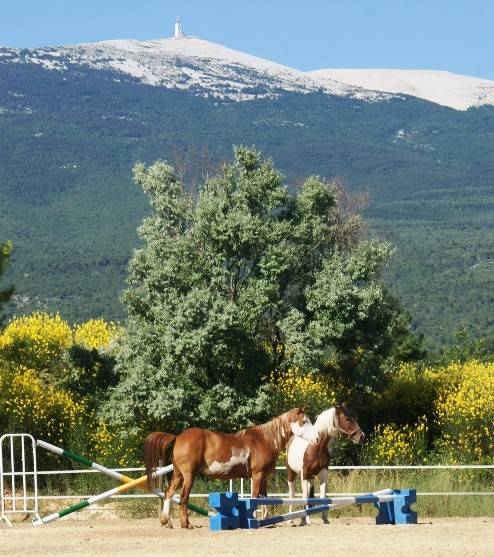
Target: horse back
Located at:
point(222, 455)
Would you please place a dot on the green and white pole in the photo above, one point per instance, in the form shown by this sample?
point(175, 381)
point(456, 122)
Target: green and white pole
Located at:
point(114, 474)
point(102, 496)
point(85, 461)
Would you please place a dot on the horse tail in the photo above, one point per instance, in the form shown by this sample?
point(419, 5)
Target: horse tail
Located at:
point(155, 447)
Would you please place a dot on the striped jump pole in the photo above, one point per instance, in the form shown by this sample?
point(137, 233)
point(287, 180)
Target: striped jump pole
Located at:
point(384, 495)
point(103, 496)
point(86, 462)
point(114, 474)
point(325, 504)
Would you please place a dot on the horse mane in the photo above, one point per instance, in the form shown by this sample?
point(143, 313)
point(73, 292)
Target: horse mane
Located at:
point(277, 431)
point(327, 423)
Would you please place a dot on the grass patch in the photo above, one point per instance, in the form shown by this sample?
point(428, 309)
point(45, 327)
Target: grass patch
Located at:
point(446, 485)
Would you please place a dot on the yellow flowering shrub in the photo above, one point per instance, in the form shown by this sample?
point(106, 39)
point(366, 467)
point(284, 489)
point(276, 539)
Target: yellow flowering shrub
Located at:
point(393, 445)
point(297, 387)
point(35, 341)
point(465, 412)
point(42, 410)
point(52, 379)
point(90, 361)
point(109, 446)
point(457, 401)
point(97, 333)
point(411, 393)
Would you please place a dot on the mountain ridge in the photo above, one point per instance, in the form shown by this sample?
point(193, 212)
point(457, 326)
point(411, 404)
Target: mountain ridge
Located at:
point(445, 88)
point(230, 74)
point(73, 130)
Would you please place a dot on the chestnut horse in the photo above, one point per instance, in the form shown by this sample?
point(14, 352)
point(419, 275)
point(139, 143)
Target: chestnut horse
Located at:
point(312, 461)
point(250, 453)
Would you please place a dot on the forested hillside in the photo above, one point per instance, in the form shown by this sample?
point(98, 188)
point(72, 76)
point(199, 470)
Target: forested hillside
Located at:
point(68, 143)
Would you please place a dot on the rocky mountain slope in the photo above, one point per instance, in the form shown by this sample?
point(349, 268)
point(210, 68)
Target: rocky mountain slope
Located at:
point(189, 63)
point(75, 119)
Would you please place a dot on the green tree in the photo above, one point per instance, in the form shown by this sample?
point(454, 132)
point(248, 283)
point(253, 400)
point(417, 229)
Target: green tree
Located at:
point(244, 279)
point(6, 293)
point(465, 348)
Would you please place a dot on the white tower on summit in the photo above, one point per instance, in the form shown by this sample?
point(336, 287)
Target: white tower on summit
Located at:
point(178, 29)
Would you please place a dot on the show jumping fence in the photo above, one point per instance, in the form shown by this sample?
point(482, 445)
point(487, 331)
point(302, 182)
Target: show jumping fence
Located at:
point(233, 513)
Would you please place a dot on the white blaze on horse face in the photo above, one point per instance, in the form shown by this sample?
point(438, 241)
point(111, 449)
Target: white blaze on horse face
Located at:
point(239, 456)
point(307, 431)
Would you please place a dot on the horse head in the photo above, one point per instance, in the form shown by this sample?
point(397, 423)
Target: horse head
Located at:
point(347, 424)
point(301, 425)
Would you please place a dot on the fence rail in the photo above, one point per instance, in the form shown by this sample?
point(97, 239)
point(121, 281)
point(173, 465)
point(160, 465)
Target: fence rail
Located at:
point(243, 486)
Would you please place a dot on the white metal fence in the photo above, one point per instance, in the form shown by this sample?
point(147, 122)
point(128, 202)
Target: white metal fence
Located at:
point(18, 487)
point(243, 486)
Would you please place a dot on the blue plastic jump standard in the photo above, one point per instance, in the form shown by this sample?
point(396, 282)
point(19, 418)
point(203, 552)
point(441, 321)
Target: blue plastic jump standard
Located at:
point(398, 510)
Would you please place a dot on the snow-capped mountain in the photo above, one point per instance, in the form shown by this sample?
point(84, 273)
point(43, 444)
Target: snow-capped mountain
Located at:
point(456, 91)
point(214, 70)
point(75, 119)
point(186, 63)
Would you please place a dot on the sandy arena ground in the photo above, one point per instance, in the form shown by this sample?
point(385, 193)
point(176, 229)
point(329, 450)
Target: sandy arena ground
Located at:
point(103, 537)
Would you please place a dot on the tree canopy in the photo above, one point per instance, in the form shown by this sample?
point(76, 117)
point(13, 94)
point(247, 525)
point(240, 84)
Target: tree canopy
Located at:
point(241, 280)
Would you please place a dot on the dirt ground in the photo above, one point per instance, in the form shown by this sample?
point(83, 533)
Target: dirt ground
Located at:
point(104, 537)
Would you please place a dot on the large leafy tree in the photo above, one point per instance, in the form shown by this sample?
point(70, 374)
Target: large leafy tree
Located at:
point(242, 279)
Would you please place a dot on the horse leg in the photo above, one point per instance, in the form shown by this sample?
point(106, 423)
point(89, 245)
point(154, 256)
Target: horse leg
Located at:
point(291, 495)
point(307, 491)
point(259, 488)
point(174, 485)
point(323, 483)
point(184, 498)
point(257, 479)
point(263, 492)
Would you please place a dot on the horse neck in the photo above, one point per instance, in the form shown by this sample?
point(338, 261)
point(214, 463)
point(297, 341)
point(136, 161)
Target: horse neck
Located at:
point(327, 428)
point(277, 432)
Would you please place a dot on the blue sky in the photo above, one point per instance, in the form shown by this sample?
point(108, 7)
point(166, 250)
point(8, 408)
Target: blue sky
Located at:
point(450, 35)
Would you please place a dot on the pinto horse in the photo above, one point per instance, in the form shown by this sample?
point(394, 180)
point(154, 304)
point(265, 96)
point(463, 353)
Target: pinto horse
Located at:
point(250, 453)
point(313, 460)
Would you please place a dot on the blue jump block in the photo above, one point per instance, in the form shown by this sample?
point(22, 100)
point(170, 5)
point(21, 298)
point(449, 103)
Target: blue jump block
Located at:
point(398, 510)
point(232, 513)
point(227, 511)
